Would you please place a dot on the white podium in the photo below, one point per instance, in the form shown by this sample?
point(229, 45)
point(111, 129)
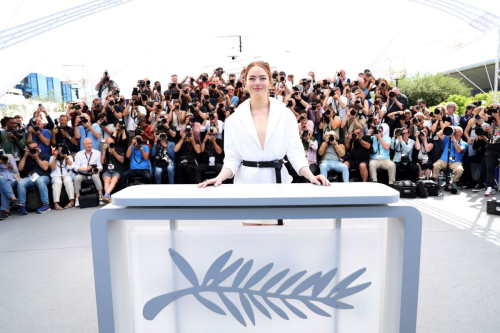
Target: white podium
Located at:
point(109, 227)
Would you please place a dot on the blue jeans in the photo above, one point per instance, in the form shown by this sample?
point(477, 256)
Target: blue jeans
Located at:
point(7, 191)
point(42, 182)
point(170, 169)
point(338, 166)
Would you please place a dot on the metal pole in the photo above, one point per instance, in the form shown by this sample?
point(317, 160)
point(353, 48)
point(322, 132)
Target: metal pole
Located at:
point(496, 68)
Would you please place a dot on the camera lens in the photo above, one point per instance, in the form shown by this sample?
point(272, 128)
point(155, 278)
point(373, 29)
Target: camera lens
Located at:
point(352, 113)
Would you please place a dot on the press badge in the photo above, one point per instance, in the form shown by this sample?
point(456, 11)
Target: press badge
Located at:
point(211, 161)
point(178, 128)
point(111, 166)
point(379, 156)
point(34, 176)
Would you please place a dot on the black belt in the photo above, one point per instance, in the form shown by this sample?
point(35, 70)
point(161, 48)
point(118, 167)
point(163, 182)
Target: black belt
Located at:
point(276, 164)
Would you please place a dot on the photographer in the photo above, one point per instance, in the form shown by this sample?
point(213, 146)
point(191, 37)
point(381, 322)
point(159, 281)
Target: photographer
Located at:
point(355, 118)
point(176, 117)
point(341, 81)
point(403, 151)
point(144, 130)
point(380, 157)
point(107, 128)
point(230, 94)
point(186, 150)
point(85, 130)
point(13, 139)
point(378, 107)
point(36, 165)
point(161, 126)
point(214, 125)
point(96, 109)
point(358, 152)
point(132, 111)
point(120, 135)
point(466, 117)
point(113, 161)
point(9, 176)
point(304, 123)
point(164, 158)
point(61, 164)
point(77, 113)
point(450, 110)
point(211, 155)
point(479, 139)
point(424, 145)
point(138, 153)
point(457, 151)
point(492, 113)
point(105, 86)
point(331, 153)
point(113, 108)
point(441, 120)
point(88, 165)
point(336, 101)
point(62, 134)
point(330, 122)
point(38, 113)
point(41, 136)
point(375, 121)
point(396, 102)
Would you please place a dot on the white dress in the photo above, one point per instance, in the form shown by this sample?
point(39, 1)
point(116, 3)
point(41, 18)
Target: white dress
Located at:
point(242, 143)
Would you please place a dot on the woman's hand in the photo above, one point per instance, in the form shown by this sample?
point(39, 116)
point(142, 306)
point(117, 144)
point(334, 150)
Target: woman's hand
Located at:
point(214, 181)
point(320, 180)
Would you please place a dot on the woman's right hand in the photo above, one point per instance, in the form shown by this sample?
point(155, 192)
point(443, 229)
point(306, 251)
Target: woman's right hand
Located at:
point(214, 181)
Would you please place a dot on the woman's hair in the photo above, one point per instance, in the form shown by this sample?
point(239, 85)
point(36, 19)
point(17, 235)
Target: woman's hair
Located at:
point(260, 64)
point(428, 129)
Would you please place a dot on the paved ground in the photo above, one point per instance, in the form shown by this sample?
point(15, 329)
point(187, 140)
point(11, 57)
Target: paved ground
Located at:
point(46, 275)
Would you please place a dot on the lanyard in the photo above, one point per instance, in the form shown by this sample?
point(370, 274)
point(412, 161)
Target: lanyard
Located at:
point(88, 158)
point(135, 159)
point(61, 166)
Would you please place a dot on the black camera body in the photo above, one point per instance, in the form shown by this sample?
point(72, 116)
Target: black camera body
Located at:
point(3, 158)
point(18, 133)
point(138, 130)
point(399, 132)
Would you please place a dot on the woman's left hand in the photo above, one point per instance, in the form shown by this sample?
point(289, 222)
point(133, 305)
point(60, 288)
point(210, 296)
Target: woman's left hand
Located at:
point(320, 180)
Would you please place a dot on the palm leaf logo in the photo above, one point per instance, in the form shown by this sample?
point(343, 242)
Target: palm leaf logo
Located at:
point(216, 275)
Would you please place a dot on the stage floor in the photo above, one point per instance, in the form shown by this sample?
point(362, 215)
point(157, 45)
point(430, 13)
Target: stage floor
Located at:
point(47, 285)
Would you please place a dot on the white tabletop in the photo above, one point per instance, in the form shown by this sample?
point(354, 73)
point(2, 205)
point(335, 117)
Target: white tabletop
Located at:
point(339, 194)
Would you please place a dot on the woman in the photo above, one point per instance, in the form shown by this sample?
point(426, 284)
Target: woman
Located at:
point(470, 130)
point(61, 164)
point(424, 146)
point(262, 130)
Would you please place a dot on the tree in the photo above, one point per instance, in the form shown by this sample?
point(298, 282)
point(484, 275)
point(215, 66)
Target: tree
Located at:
point(433, 88)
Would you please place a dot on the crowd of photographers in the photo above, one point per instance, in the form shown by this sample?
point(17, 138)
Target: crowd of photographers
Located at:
point(351, 129)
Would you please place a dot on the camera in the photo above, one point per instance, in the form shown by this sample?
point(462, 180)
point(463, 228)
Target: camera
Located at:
point(302, 118)
point(491, 110)
point(158, 88)
point(352, 112)
point(144, 97)
point(289, 104)
point(76, 106)
point(212, 86)
point(358, 100)
point(338, 74)
point(416, 120)
point(112, 145)
point(354, 136)
point(480, 131)
point(111, 103)
point(399, 132)
point(135, 92)
point(392, 94)
point(161, 162)
point(142, 84)
point(163, 137)
point(449, 131)
point(3, 158)
point(331, 138)
point(33, 151)
point(139, 141)
point(121, 124)
point(138, 130)
point(332, 93)
point(239, 85)
point(18, 134)
point(437, 111)
point(36, 128)
point(185, 91)
point(305, 133)
point(94, 168)
point(83, 120)
point(313, 106)
point(377, 129)
point(328, 112)
point(104, 123)
point(204, 78)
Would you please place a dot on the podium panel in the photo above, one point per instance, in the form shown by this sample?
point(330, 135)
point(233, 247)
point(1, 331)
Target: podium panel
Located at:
point(256, 281)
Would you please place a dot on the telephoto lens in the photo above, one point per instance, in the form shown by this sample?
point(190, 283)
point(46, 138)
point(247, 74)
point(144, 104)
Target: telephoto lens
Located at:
point(480, 131)
point(163, 137)
point(352, 113)
point(448, 131)
point(138, 141)
point(36, 128)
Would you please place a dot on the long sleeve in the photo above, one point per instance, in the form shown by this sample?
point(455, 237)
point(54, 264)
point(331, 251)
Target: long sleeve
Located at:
point(232, 160)
point(99, 164)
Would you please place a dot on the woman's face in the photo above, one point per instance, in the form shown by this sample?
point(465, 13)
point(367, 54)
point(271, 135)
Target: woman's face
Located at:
point(257, 82)
point(426, 131)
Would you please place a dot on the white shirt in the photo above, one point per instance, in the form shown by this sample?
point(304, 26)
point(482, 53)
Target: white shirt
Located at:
point(61, 166)
point(82, 159)
point(130, 121)
point(336, 106)
point(220, 124)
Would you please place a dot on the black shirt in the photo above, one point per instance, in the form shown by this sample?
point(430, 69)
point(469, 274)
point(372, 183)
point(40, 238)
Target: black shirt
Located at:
point(360, 153)
point(30, 165)
point(110, 116)
point(120, 167)
point(210, 151)
point(187, 151)
point(122, 143)
point(60, 139)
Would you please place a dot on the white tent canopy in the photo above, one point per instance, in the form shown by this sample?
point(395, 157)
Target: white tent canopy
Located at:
point(154, 39)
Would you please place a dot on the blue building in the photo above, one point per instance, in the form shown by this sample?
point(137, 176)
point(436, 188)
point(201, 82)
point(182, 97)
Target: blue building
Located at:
point(40, 86)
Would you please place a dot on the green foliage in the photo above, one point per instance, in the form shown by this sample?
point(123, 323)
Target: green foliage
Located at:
point(463, 101)
point(433, 88)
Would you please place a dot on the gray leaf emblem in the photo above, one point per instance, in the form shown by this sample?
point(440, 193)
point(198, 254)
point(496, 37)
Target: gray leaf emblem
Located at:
point(216, 274)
